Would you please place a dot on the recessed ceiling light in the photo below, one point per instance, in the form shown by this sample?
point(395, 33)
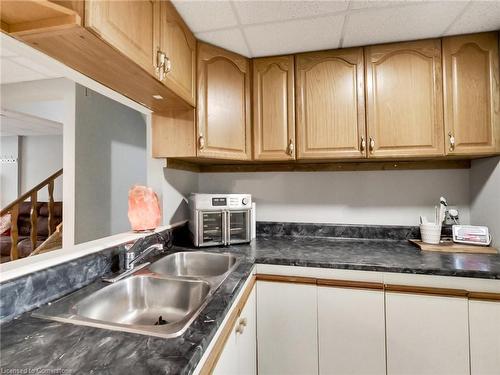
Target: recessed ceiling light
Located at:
point(158, 97)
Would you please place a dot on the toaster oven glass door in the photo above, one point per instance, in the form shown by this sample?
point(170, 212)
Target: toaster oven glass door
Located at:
point(213, 228)
point(238, 226)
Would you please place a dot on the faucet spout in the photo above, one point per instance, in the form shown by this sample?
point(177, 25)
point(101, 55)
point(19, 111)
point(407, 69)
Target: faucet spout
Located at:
point(131, 263)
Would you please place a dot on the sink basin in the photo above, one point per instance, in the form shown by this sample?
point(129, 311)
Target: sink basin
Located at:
point(139, 304)
point(160, 302)
point(144, 300)
point(194, 264)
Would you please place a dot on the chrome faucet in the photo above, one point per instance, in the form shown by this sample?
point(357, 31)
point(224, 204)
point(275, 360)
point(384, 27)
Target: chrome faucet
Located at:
point(131, 260)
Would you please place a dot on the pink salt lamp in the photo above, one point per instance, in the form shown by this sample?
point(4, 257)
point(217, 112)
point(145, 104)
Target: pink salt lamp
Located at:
point(143, 208)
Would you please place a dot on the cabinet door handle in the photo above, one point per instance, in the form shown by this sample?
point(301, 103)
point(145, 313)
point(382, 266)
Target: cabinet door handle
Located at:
point(291, 148)
point(363, 144)
point(239, 328)
point(372, 144)
point(167, 67)
point(452, 141)
point(201, 142)
point(160, 65)
point(243, 322)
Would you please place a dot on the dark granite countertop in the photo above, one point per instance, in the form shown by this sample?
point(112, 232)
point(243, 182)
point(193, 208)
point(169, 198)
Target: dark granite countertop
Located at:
point(28, 342)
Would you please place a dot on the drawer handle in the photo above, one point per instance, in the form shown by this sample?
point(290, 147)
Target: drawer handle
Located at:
point(452, 141)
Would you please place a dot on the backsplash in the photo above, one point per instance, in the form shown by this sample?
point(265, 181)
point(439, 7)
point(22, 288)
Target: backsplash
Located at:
point(30, 291)
point(379, 232)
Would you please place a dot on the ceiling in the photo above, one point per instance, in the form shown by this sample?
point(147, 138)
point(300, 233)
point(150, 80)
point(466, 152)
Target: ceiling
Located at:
point(262, 28)
point(15, 68)
point(17, 123)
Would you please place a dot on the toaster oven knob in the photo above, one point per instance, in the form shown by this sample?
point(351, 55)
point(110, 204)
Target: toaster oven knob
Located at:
point(244, 201)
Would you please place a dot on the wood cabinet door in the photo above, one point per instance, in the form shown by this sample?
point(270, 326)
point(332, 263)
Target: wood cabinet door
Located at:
point(223, 110)
point(287, 328)
point(471, 84)
point(330, 104)
point(404, 99)
point(351, 325)
point(274, 108)
point(247, 339)
point(125, 25)
point(174, 38)
point(484, 320)
point(426, 334)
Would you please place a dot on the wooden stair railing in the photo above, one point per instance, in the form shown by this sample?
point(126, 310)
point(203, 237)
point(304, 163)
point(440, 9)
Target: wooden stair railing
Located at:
point(13, 208)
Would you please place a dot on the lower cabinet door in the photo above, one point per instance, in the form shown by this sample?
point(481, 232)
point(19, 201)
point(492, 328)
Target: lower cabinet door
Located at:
point(427, 334)
point(287, 328)
point(227, 364)
point(484, 320)
point(247, 340)
point(351, 331)
point(239, 356)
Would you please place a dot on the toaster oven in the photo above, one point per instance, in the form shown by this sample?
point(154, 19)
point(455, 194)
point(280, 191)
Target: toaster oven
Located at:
point(220, 219)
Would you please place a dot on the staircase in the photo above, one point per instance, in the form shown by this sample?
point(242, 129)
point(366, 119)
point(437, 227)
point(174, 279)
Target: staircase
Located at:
point(13, 209)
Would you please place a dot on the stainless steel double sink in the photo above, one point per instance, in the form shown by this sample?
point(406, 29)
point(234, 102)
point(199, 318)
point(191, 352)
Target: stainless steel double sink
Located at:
point(159, 300)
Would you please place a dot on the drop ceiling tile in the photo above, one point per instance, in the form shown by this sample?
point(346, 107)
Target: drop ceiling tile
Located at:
point(382, 25)
point(254, 12)
point(479, 16)
point(206, 15)
point(231, 39)
point(294, 36)
point(13, 72)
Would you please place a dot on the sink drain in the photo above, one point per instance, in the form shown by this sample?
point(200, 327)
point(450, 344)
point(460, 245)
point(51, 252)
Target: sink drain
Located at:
point(160, 321)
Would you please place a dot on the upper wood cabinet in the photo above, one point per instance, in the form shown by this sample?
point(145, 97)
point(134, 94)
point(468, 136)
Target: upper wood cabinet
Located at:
point(404, 99)
point(126, 25)
point(330, 104)
point(471, 84)
point(177, 42)
point(223, 111)
point(273, 108)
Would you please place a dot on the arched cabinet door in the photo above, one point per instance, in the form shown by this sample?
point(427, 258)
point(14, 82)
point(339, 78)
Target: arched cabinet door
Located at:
point(223, 110)
point(174, 38)
point(404, 99)
point(273, 108)
point(330, 105)
point(471, 84)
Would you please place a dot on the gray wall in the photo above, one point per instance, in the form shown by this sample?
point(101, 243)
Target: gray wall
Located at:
point(9, 172)
point(368, 197)
point(110, 154)
point(40, 156)
point(485, 195)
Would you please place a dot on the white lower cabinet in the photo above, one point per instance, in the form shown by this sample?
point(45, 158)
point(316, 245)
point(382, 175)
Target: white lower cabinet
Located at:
point(351, 331)
point(246, 341)
point(287, 328)
point(239, 355)
point(484, 320)
point(426, 334)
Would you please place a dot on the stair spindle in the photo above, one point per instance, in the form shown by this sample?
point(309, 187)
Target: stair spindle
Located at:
point(14, 214)
point(33, 220)
point(51, 207)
